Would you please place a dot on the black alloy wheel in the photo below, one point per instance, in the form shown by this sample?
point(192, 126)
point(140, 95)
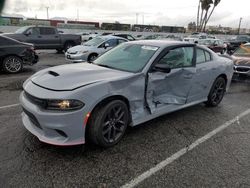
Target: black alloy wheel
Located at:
point(108, 124)
point(217, 92)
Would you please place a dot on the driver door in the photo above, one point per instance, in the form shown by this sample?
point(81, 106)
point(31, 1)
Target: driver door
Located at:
point(171, 89)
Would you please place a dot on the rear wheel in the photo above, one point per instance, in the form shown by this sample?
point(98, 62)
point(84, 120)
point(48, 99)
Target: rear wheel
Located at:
point(12, 64)
point(108, 124)
point(217, 92)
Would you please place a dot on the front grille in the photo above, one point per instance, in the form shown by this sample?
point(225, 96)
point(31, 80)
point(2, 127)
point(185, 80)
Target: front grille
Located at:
point(35, 100)
point(32, 118)
point(242, 69)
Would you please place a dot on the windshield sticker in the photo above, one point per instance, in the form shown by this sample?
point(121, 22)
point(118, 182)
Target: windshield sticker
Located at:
point(149, 48)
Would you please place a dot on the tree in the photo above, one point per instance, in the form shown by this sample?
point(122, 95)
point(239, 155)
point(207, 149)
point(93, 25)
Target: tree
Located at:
point(204, 13)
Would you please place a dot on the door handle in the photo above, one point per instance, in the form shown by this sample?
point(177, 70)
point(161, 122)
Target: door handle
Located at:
point(39, 36)
point(56, 37)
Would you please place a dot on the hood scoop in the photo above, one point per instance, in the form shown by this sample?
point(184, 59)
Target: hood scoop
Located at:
point(53, 73)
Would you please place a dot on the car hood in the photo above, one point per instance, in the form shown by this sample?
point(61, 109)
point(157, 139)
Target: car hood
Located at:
point(71, 77)
point(80, 48)
point(241, 61)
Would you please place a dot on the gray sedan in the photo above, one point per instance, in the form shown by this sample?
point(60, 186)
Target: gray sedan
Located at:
point(89, 51)
point(128, 85)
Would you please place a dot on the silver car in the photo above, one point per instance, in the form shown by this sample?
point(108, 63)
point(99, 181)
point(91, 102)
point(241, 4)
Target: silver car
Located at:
point(130, 84)
point(90, 50)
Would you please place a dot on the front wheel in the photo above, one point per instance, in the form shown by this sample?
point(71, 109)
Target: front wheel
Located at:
point(68, 45)
point(108, 124)
point(217, 92)
point(12, 64)
point(92, 57)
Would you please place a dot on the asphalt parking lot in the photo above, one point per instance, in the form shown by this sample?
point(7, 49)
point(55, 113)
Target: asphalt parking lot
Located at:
point(194, 147)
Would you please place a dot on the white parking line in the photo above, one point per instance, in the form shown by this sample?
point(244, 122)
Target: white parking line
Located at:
point(9, 106)
point(183, 151)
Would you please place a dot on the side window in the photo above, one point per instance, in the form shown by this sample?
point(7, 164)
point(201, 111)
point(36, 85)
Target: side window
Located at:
point(121, 41)
point(179, 57)
point(33, 31)
point(208, 56)
point(47, 31)
point(200, 56)
point(129, 38)
point(112, 42)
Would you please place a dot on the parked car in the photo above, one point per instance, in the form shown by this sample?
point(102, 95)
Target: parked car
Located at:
point(216, 45)
point(90, 50)
point(126, 36)
point(15, 54)
point(87, 36)
point(241, 58)
point(235, 42)
point(133, 83)
point(45, 37)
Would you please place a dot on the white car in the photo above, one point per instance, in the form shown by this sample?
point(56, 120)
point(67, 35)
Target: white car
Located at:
point(88, 36)
point(90, 50)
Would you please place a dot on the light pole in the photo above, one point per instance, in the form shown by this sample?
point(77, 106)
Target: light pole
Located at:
point(47, 8)
point(239, 26)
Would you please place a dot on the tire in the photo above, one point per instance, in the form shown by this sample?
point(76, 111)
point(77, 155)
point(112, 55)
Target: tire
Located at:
point(92, 57)
point(68, 45)
point(108, 124)
point(217, 92)
point(59, 51)
point(12, 64)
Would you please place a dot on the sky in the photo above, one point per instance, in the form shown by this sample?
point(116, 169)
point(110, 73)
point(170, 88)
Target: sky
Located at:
point(158, 12)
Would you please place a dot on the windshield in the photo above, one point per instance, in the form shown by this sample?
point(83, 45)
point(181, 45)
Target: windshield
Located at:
point(127, 57)
point(21, 30)
point(243, 50)
point(94, 42)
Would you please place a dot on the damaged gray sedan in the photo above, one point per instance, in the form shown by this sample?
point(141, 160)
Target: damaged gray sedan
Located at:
point(130, 84)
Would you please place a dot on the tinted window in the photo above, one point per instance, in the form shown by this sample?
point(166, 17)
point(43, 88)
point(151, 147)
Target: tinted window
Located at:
point(112, 42)
point(121, 41)
point(179, 57)
point(47, 31)
point(33, 31)
point(200, 56)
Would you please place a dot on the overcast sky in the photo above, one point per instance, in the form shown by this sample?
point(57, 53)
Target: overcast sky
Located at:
point(159, 12)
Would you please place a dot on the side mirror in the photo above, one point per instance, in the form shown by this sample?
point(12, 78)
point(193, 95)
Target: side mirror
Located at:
point(162, 68)
point(27, 33)
point(106, 45)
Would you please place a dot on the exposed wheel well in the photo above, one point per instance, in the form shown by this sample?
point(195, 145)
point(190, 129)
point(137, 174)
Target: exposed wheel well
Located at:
point(69, 42)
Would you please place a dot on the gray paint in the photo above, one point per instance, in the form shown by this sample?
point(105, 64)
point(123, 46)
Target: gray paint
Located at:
point(91, 84)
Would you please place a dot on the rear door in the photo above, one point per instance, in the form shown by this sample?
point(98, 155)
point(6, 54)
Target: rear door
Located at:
point(49, 38)
point(168, 89)
point(204, 77)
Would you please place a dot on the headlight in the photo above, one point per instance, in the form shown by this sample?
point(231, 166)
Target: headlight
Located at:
point(64, 105)
point(83, 52)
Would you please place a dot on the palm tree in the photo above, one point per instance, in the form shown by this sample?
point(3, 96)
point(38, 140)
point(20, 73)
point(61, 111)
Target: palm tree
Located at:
point(203, 18)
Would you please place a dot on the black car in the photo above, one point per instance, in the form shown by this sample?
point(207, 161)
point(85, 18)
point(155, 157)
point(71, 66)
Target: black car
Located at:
point(125, 36)
point(14, 54)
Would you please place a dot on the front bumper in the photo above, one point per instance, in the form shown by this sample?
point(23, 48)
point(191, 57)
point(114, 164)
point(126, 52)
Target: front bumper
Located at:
point(56, 128)
point(76, 57)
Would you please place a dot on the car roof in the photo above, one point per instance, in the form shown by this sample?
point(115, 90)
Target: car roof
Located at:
point(107, 37)
point(161, 43)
